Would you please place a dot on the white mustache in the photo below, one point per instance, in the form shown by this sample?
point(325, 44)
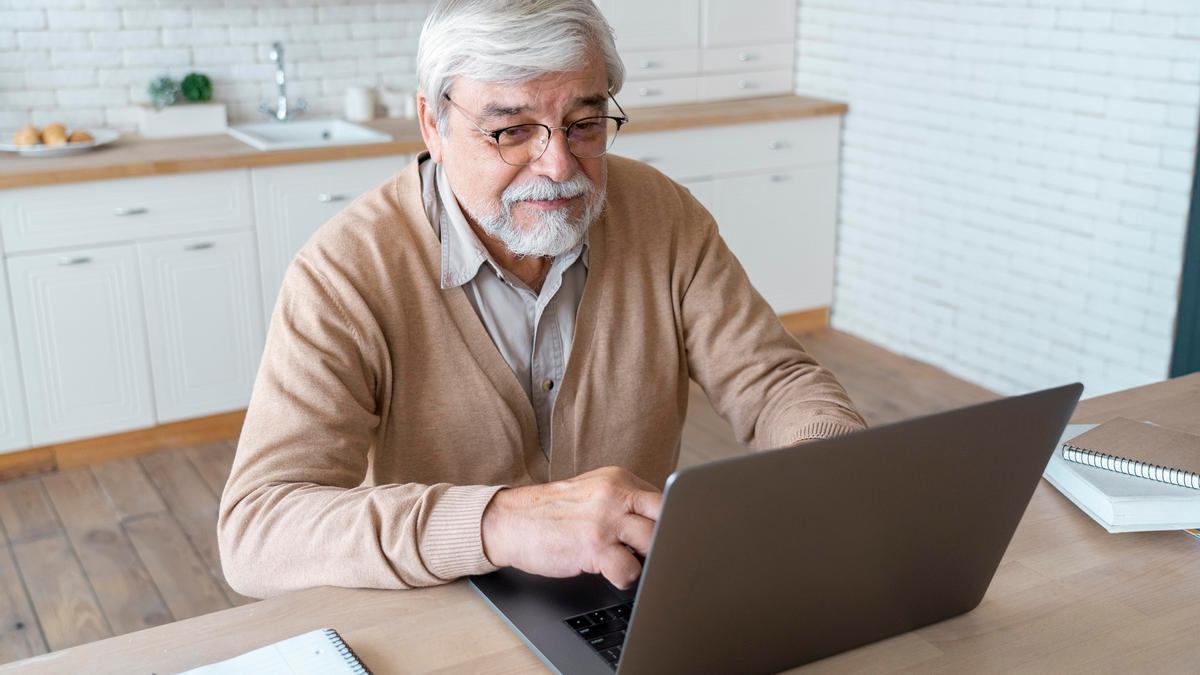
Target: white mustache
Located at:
point(547, 190)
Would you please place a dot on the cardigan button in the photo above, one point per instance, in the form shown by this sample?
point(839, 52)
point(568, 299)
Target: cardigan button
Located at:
point(547, 385)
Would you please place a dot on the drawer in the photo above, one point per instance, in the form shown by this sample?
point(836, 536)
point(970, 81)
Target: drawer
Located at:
point(667, 91)
point(106, 211)
point(733, 149)
point(748, 57)
point(745, 85)
point(650, 65)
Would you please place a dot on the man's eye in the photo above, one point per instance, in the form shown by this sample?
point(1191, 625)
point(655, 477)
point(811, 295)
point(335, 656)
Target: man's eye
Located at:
point(515, 134)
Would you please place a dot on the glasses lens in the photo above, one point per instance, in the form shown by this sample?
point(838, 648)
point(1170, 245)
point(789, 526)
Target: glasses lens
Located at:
point(523, 143)
point(591, 136)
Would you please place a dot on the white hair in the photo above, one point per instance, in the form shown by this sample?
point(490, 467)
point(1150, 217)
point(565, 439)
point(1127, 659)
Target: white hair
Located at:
point(509, 41)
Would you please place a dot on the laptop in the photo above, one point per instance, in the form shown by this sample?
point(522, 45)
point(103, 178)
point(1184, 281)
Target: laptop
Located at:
point(767, 561)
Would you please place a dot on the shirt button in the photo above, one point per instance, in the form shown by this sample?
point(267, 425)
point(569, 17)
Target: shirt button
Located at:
point(547, 385)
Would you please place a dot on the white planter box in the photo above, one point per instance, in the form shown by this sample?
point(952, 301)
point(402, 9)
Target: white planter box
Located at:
point(183, 119)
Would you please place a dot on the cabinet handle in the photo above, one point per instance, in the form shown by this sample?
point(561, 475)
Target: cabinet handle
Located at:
point(745, 56)
point(646, 91)
point(777, 145)
point(325, 198)
point(129, 210)
point(78, 260)
point(199, 246)
point(780, 177)
point(647, 64)
point(746, 84)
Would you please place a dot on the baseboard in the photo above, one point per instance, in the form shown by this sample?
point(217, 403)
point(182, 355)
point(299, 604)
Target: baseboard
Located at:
point(87, 451)
point(807, 321)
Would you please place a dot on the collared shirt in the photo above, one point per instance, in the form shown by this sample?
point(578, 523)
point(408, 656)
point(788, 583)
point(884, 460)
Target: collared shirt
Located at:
point(532, 330)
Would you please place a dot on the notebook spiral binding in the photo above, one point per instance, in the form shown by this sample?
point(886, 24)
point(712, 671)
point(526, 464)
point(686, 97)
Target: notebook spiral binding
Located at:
point(346, 652)
point(1161, 474)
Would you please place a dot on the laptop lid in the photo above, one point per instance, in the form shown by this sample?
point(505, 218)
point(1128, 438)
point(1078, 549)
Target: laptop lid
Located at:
point(771, 560)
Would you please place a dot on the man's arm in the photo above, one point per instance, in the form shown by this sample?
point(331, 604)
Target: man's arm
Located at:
point(292, 514)
point(757, 375)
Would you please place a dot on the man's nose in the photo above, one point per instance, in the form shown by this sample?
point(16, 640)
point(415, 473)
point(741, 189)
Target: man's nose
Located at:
point(556, 163)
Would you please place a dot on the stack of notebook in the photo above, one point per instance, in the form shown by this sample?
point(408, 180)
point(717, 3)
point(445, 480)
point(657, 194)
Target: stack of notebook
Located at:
point(1130, 476)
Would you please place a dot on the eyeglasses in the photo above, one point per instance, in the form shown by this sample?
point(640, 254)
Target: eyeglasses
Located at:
point(523, 144)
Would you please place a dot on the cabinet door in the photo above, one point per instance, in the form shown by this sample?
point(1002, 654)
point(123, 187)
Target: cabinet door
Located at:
point(781, 227)
point(14, 426)
point(291, 202)
point(204, 323)
point(663, 24)
point(82, 342)
point(729, 23)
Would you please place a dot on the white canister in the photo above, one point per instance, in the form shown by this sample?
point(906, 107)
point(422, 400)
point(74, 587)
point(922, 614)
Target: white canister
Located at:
point(360, 104)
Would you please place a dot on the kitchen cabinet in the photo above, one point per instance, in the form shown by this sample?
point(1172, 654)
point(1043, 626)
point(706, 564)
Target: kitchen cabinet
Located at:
point(772, 188)
point(291, 202)
point(682, 51)
point(82, 342)
point(204, 322)
point(14, 424)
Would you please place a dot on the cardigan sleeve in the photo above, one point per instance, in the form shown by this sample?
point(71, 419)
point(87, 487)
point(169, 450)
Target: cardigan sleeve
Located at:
point(757, 375)
point(295, 512)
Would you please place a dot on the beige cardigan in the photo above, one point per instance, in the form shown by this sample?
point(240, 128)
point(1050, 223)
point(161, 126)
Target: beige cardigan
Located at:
point(384, 419)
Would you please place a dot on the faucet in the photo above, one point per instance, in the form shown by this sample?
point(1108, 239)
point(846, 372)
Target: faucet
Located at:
point(282, 111)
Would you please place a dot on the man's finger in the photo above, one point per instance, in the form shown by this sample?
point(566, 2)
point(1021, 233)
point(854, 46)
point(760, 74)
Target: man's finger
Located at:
point(637, 532)
point(645, 503)
point(619, 566)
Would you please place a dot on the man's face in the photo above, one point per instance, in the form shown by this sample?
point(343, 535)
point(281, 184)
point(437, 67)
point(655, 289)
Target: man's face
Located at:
point(542, 208)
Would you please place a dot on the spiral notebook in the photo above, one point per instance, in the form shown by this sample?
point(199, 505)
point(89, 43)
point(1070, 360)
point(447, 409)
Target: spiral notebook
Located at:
point(1139, 449)
point(313, 653)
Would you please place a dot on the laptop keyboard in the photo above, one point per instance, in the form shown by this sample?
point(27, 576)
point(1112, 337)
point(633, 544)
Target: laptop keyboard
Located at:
point(603, 630)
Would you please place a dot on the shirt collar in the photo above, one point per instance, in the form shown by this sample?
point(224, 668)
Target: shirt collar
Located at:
point(462, 252)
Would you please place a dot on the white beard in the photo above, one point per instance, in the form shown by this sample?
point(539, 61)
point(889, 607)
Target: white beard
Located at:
point(554, 232)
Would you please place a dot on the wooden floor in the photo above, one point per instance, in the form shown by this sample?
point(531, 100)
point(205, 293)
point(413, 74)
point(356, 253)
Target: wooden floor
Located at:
point(117, 547)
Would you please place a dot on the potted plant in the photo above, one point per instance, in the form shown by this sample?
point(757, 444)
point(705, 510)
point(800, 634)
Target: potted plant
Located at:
point(183, 108)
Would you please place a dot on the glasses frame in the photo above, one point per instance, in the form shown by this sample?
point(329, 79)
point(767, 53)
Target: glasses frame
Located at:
point(621, 121)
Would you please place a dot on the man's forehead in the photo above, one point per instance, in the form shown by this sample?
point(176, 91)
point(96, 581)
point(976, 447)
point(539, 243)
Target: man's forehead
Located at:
point(505, 106)
point(554, 91)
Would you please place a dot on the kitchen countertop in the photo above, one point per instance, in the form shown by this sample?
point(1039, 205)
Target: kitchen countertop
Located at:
point(132, 155)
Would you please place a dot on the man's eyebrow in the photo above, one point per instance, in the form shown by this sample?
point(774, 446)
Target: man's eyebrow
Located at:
point(501, 110)
point(590, 101)
point(494, 110)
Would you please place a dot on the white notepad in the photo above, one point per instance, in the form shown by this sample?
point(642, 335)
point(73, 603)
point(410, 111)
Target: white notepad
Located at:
point(1121, 503)
point(313, 653)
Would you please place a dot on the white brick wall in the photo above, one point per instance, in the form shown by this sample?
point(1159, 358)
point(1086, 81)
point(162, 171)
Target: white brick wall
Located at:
point(88, 62)
point(1015, 180)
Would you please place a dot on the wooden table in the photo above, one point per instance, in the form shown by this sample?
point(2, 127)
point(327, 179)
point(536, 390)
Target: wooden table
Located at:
point(1068, 597)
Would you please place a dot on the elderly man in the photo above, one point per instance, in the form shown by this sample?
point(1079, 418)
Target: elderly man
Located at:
point(484, 362)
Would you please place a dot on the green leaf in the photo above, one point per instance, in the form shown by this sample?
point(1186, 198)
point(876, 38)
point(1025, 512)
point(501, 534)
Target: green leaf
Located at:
point(196, 87)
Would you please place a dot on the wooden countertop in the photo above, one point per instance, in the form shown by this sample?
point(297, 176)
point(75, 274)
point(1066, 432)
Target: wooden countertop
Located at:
point(135, 156)
point(1068, 597)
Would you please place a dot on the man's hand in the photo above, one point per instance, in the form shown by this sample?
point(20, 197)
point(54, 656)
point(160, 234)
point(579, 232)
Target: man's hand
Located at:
point(568, 527)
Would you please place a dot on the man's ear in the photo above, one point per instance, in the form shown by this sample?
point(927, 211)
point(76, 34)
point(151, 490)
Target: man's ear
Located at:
point(427, 120)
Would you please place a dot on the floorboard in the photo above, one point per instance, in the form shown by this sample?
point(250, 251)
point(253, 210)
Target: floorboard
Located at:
point(122, 586)
point(20, 634)
point(177, 570)
point(66, 607)
point(25, 510)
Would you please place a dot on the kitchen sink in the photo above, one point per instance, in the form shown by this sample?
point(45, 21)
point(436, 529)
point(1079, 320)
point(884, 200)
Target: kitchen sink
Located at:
point(311, 133)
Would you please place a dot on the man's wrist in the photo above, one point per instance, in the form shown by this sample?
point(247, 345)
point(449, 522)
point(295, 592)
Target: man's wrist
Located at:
point(491, 529)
